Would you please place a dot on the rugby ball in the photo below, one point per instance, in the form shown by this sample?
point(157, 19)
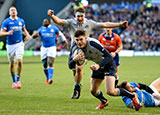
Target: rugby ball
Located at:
point(80, 62)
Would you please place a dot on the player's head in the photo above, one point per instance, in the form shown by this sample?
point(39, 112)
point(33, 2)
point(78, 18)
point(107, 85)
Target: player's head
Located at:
point(46, 22)
point(80, 38)
point(13, 11)
point(80, 14)
point(126, 86)
point(108, 31)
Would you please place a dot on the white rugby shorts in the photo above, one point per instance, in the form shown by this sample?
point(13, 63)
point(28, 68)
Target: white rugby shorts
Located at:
point(15, 50)
point(48, 52)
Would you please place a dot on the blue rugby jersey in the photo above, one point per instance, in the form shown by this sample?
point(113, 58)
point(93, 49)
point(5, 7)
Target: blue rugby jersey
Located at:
point(48, 35)
point(15, 25)
point(144, 97)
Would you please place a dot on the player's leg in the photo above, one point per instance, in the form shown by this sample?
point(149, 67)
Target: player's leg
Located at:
point(11, 56)
point(116, 60)
point(51, 55)
point(111, 90)
point(155, 84)
point(50, 62)
point(77, 72)
point(45, 69)
point(19, 56)
point(95, 84)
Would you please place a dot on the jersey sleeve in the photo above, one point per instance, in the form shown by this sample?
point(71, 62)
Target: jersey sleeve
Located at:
point(23, 23)
point(56, 29)
point(39, 31)
point(68, 22)
point(95, 24)
point(4, 25)
point(127, 101)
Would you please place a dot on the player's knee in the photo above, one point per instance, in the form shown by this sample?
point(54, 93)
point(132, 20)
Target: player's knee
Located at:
point(79, 69)
point(110, 92)
point(93, 92)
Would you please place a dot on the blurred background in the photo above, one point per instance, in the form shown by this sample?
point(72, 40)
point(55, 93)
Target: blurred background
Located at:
point(141, 38)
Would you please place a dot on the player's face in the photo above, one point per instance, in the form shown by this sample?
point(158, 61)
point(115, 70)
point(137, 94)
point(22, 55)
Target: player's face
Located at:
point(108, 31)
point(13, 11)
point(46, 22)
point(81, 41)
point(80, 18)
point(130, 88)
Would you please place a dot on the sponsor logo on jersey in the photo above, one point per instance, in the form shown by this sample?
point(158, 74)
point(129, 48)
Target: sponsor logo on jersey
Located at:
point(20, 23)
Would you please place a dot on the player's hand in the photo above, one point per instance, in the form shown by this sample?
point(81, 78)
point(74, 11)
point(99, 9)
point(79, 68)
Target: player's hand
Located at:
point(50, 12)
point(113, 54)
point(10, 32)
point(94, 67)
point(27, 38)
point(124, 24)
point(79, 56)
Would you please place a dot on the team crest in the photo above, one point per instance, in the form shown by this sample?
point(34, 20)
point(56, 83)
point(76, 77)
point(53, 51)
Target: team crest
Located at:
point(52, 30)
point(20, 23)
point(112, 39)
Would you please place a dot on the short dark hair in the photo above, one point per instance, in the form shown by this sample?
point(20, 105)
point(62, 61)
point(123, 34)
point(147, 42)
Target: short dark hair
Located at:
point(79, 33)
point(48, 20)
point(122, 85)
point(80, 9)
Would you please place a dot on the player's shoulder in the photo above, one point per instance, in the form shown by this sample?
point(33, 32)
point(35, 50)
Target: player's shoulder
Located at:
point(116, 35)
point(7, 19)
point(93, 41)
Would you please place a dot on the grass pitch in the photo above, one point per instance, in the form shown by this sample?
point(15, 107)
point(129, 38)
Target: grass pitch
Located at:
point(37, 98)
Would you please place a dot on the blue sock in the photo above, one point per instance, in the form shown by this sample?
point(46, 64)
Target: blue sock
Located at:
point(77, 84)
point(50, 72)
point(46, 73)
point(18, 77)
point(13, 76)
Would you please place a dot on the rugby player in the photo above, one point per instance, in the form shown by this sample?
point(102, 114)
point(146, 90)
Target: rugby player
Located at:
point(103, 68)
point(15, 45)
point(149, 97)
point(113, 43)
point(48, 34)
point(80, 22)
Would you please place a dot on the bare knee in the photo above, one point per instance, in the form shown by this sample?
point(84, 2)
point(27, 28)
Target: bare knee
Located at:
point(79, 69)
point(111, 92)
point(93, 92)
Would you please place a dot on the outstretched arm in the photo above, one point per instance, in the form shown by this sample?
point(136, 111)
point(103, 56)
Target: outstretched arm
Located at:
point(63, 38)
point(55, 18)
point(35, 34)
point(114, 25)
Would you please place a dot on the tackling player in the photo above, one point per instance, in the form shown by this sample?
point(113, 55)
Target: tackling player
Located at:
point(15, 45)
point(149, 97)
point(48, 34)
point(113, 43)
point(80, 22)
point(103, 68)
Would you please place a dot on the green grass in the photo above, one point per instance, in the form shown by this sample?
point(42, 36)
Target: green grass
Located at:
point(37, 98)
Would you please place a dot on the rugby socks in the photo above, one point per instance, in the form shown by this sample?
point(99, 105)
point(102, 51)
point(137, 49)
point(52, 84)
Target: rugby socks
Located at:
point(13, 76)
point(124, 92)
point(18, 77)
point(50, 72)
point(46, 73)
point(101, 97)
point(116, 81)
point(77, 84)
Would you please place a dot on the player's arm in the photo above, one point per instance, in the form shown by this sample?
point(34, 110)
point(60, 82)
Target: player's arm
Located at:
point(119, 46)
point(27, 35)
point(145, 87)
point(3, 33)
point(63, 39)
point(114, 25)
point(55, 18)
point(35, 35)
point(105, 53)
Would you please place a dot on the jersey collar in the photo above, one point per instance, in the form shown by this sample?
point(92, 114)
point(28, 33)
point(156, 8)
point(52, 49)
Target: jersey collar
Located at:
point(12, 18)
point(108, 38)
